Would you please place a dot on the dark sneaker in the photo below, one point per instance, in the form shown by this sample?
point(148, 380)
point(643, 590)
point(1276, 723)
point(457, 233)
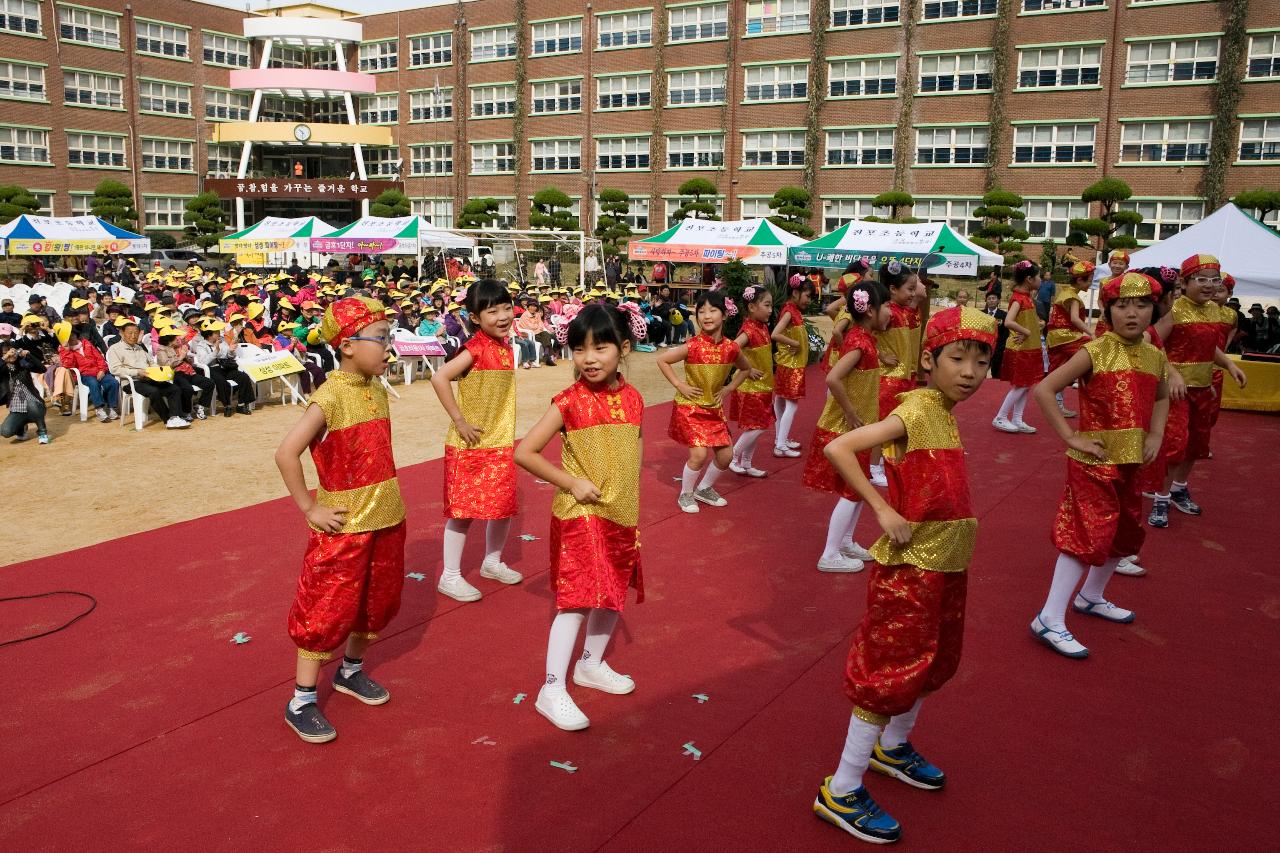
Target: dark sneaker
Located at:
point(857, 814)
point(309, 724)
point(1181, 499)
point(904, 763)
point(1159, 514)
point(360, 686)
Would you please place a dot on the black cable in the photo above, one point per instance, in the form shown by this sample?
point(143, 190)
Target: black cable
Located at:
point(93, 604)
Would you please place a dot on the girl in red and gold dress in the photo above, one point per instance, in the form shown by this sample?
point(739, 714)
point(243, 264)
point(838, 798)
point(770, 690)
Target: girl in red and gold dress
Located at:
point(899, 343)
point(853, 383)
point(595, 547)
point(479, 471)
point(792, 338)
point(697, 418)
point(752, 406)
point(1023, 363)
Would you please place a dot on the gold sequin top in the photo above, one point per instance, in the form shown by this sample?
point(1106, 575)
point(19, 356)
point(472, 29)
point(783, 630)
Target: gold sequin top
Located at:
point(487, 395)
point(602, 445)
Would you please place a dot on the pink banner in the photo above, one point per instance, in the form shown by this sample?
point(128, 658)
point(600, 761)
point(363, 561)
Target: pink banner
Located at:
point(360, 246)
point(413, 349)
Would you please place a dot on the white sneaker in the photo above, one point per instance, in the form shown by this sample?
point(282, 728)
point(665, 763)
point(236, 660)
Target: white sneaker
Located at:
point(1102, 609)
point(878, 478)
point(793, 444)
point(458, 589)
point(176, 423)
point(501, 572)
point(785, 452)
point(1129, 566)
point(1005, 425)
point(857, 552)
point(1023, 426)
point(1060, 641)
point(755, 472)
point(558, 707)
point(710, 497)
point(840, 563)
point(736, 468)
point(113, 414)
point(602, 678)
point(536, 365)
point(688, 502)
point(103, 416)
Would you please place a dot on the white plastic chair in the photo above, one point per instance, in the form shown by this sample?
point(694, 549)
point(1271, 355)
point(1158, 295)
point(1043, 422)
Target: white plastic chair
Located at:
point(81, 399)
point(129, 397)
point(213, 407)
point(537, 347)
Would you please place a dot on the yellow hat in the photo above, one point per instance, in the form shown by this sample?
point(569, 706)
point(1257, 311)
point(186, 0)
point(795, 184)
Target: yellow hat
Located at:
point(62, 331)
point(31, 320)
point(121, 322)
point(168, 331)
point(236, 317)
point(212, 326)
point(396, 294)
point(79, 303)
point(78, 277)
point(156, 373)
point(255, 310)
point(272, 286)
point(544, 298)
point(152, 306)
point(228, 296)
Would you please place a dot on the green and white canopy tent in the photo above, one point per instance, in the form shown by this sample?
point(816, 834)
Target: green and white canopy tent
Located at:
point(275, 234)
point(706, 241)
point(947, 252)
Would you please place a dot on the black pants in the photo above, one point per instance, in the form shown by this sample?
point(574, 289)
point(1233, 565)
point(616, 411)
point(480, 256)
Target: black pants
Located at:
point(658, 331)
point(326, 357)
point(188, 383)
point(222, 381)
point(165, 397)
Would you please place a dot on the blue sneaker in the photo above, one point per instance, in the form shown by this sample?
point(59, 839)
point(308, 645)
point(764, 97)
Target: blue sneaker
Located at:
point(857, 814)
point(1159, 514)
point(904, 763)
point(1181, 498)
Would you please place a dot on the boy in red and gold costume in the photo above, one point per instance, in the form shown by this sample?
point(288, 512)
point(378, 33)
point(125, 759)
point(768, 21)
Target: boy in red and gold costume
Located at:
point(1191, 332)
point(908, 642)
point(1124, 403)
point(353, 569)
point(1227, 331)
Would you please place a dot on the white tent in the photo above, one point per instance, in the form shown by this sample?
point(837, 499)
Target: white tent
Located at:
point(398, 235)
point(877, 242)
point(1249, 250)
point(68, 235)
point(708, 241)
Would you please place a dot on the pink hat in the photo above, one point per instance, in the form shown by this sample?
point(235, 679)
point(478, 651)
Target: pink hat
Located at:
point(6, 329)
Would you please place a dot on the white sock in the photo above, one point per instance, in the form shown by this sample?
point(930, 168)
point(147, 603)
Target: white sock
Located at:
point(1007, 406)
point(1020, 405)
point(783, 431)
point(495, 537)
point(350, 667)
point(710, 475)
point(899, 728)
point(560, 643)
point(1162, 497)
point(1066, 574)
point(836, 528)
point(688, 477)
point(455, 539)
point(745, 449)
point(302, 696)
point(847, 540)
point(600, 625)
point(858, 744)
point(1175, 486)
point(1095, 584)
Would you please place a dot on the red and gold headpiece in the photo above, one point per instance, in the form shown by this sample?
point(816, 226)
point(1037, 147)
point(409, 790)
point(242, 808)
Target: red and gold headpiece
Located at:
point(960, 323)
point(346, 317)
point(1122, 254)
point(1196, 263)
point(1131, 285)
point(1082, 269)
point(1229, 282)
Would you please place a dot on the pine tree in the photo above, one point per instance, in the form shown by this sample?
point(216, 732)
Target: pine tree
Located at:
point(113, 202)
point(205, 220)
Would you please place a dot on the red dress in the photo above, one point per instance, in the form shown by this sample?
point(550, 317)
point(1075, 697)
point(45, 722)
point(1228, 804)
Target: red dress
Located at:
point(1190, 348)
point(862, 385)
point(699, 422)
point(595, 547)
point(788, 380)
point(1023, 364)
point(480, 479)
point(752, 403)
point(902, 339)
point(1062, 338)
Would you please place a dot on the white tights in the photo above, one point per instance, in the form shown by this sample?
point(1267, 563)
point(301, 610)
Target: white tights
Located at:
point(455, 540)
point(564, 636)
point(745, 449)
point(785, 411)
point(861, 740)
point(844, 518)
point(1066, 574)
point(1015, 403)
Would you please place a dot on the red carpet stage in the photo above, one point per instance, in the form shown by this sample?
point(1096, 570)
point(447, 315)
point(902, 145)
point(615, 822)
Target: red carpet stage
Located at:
point(144, 727)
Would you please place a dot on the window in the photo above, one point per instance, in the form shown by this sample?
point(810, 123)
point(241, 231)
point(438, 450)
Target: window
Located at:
point(557, 96)
point(618, 153)
point(282, 109)
point(1177, 60)
point(499, 100)
point(852, 78)
point(222, 161)
point(1162, 219)
point(95, 149)
point(431, 104)
point(557, 37)
point(80, 204)
point(754, 208)
point(777, 16)
point(160, 39)
point(86, 88)
point(86, 27)
point(44, 202)
point(225, 105)
point(1050, 67)
point(438, 211)
point(431, 49)
point(958, 213)
point(629, 29)
point(1264, 56)
point(690, 23)
point(380, 109)
point(773, 148)
point(637, 215)
point(167, 155)
point(493, 43)
point(326, 110)
point(1260, 139)
point(1165, 141)
point(695, 151)
point(777, 83)
point(861, 13)
point(431, 159)
point(506, 216)
point(493, 158)
point(955, 72)
point(20, 16)
point(283, 56)
point(226, 50)
point(379, 56)
point(24, 82)
point(158, 97)
point(163, 211)
point(382, 161)
point(1058, 5)
point(629, 92)
point(962, 146)
point(942, 10)
point(1048, 219)
point(1050, 143)
point(324, 59)
point(696, 87)
point(556, 155)
point(860, 147)
point(674, 204)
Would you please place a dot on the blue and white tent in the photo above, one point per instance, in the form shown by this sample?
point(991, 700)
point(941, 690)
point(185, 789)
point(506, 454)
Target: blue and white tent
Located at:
point(68, 235)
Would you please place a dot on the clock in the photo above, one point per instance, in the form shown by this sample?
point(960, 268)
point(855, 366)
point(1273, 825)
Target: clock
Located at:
point(302, 133)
